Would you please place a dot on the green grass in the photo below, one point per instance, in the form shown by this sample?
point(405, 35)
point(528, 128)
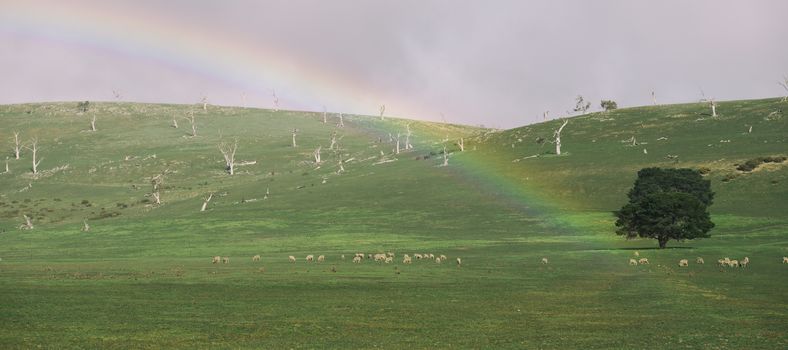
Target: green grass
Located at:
point(142, 277)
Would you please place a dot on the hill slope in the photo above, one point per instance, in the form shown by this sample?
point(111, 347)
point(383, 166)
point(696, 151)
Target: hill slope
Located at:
point(142, 277)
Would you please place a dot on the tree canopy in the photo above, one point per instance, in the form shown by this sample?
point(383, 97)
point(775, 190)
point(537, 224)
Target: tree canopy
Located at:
point(667, 204)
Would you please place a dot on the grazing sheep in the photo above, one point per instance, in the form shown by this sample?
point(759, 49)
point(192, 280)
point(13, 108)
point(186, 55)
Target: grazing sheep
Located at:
point(406, 259)
point(432, 256)
point(544, 261)
point(643, 261)
point(389, 260)
point(633, 262)
point(216, 260)
point(699, 260)
point(785, 260)
point(310, 258)
point(356, 259)
point(226, 260)
point(369, 256)
point(417, 256)
point(726, 261)
point(343, 256)
point(744, 263)
point(720, 262)
point(292, 259)
point(438, 260)
point(734, 263)
point(380, 257)
point(637, 254)
point(443, 257)
point(459, 262)
point(321, 258)
point(256, 258)
point(390, 254)
point(683, 262)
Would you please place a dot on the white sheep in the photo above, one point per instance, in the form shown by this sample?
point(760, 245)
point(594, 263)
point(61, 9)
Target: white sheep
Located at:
point(432, 256)
point(443, 257)
point(256, 258)
point(544, 261)
point(721, 262)
point(417, 256)
point(406, 259)
point(637, 254)
point(310, 257)
point(389, 260)
point(438, 260)
point(226, 260)
point(643, 261)
point(216, 260)
point(343, 256)
point(633, 262)
point(734, 263)
point(390, 254)
point(292, 259)
point(356, 259)
point(380, 257)
point(785, 260)
point(459, 262)
point(321, 258)
point(699, 260)
point(744, 262)
point(683, 262)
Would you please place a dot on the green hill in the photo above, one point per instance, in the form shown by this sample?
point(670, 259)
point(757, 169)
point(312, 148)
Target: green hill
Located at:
point(142, 275)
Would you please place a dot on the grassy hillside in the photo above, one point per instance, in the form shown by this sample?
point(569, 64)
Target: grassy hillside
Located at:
point(142, 277)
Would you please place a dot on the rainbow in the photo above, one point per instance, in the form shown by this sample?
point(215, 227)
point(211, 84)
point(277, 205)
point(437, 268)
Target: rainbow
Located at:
point(140, 32)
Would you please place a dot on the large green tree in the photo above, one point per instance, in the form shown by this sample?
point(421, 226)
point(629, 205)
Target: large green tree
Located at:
point(667, 204)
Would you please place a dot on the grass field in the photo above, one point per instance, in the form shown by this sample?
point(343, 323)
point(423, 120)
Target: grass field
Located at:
point(142, 276)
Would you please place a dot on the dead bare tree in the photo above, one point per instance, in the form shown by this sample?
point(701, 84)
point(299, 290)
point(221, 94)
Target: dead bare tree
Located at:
point(276, 101)
point(407, 137)
point(581, 105)
point(204, 101)
point(34, 148)
point(461, 143)
point(325, 115)
point(654, 97)
point(17, 145)
point(397, 149)
point(713, 105)
point(85, 226)
point(557, 136)
point(267, 193)
point(382, 110)
point(445, 156)
point(317, 155)
point(544, 115)
point(205, 201)
point(28, 225)
point(193, 122)
point(295, 131)
point(784, 84)
point(333, 140)
point(341, 121)
point(174, 123)
point(341, 167)
point(93, 122)
point(228, 151)
point(6, 166)
point(156, 182)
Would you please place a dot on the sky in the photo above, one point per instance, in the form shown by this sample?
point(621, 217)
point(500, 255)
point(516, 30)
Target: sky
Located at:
point(495, 63)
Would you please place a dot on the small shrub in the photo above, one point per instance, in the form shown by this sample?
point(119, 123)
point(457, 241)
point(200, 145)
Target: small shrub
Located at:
point(704, 170)
point(729, 177)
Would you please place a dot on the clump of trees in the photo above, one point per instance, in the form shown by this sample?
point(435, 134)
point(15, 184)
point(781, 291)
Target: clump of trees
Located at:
point(608, 105)
point(667, 204)
point(581, 105)
point(751, 164)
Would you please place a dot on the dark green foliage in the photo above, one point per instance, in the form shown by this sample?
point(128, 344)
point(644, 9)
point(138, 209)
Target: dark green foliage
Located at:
point(667, 204)
point(751, 164)
point(704, 170)
point(83, 106)
point(581, 105)
point(608, 105)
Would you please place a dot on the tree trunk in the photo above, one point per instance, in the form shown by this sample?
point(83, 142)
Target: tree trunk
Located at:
point(294, 138)
point(382, 110)
point(558, 138)
point(205, 202)
point(17, 145)
point(341, 121)
point(93, 123)
point(663, 242)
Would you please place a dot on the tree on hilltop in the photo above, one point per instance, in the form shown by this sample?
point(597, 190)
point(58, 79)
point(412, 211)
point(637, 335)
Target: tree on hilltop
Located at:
point(608, 105)
point(667, 204)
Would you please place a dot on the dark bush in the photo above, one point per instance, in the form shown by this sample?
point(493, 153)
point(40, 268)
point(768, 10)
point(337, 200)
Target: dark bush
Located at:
point(729, 177)
point(704, 170)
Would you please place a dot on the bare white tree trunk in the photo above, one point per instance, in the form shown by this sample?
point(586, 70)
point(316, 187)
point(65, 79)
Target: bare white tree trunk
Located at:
point(93, 123)
point(6, 166)
point(445, 157)
point(397, 151)
point(713, 107)
point(558, 138)
point(544, 115)
point(382, 110)
point(407, 137)
point(156, 182)
point(28, 225)
point(461, 144)
point(17, 145)
point(333, 140)
point(193, 122)
point(228, 151)
point(295, 131)
point(205, 201)
point(174, 123)
point(654, 97)
point(341, 167)
point(749, 131)
point(341, 121)
point(204, 101)
point(34, 148)
point(267, 193)
point(276, 101)
point(85, 226)
point(317, 154)
point(784, 84)
point(325, 115)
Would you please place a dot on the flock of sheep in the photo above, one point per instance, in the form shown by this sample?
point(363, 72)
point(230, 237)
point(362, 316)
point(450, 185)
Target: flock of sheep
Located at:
point(359, 257)
point(699, 260)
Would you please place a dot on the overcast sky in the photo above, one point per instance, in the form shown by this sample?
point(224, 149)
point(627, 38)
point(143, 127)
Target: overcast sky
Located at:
point(497, 63)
